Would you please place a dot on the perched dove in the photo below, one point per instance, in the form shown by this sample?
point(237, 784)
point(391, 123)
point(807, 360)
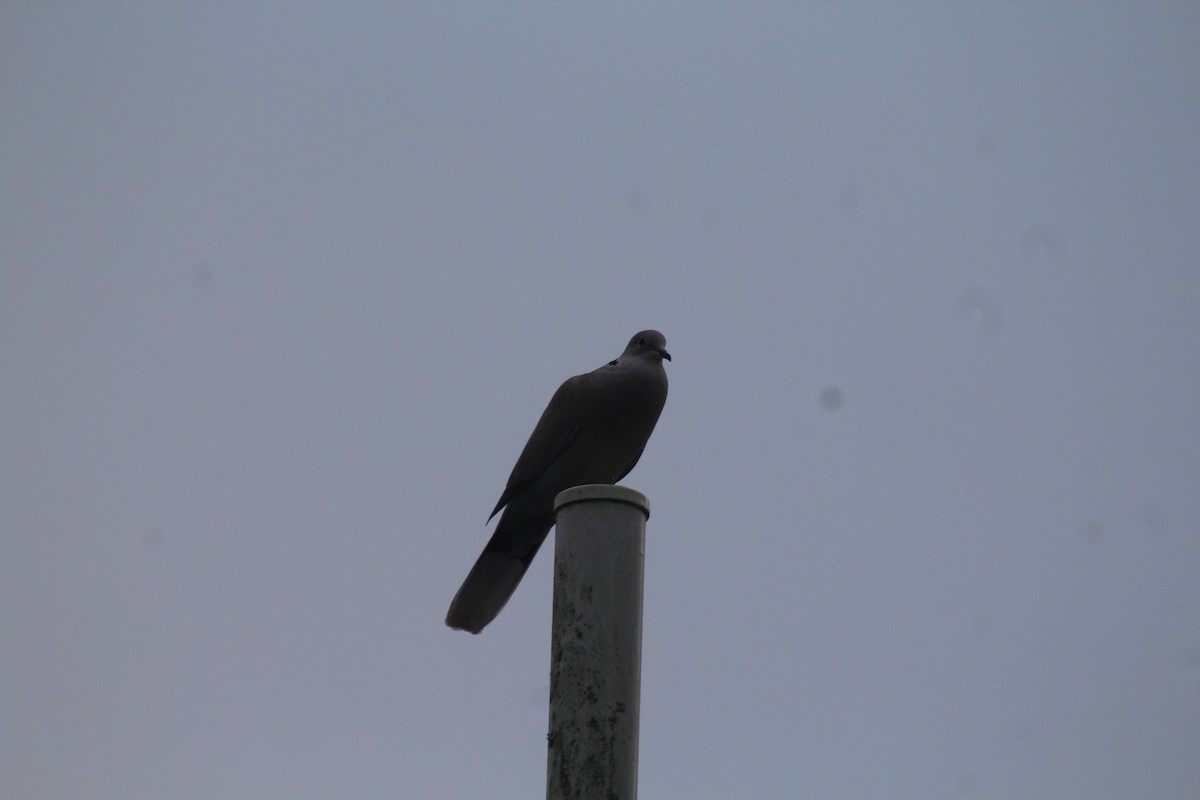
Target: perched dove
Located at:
point(593, 431)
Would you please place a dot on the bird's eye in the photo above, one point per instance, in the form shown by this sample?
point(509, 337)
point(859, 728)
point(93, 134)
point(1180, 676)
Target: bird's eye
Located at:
point(641, 341)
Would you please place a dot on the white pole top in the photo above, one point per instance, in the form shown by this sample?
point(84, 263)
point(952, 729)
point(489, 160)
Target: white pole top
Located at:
point(602, 491)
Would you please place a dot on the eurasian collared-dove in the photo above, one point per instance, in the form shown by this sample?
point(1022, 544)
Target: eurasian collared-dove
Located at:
point(593, 431)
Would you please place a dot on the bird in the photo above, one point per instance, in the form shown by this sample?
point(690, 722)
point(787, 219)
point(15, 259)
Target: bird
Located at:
point(593, 431)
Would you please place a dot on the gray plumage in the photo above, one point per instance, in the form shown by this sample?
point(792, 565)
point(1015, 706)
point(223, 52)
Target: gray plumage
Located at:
point(593, 431)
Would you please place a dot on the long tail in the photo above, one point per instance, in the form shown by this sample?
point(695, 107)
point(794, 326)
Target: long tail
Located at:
point(497, 571)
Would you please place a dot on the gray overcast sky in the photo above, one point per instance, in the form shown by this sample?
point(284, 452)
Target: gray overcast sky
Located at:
point(284, 288)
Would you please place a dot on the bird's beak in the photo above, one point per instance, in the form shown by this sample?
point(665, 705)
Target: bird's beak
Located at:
point(662, 351)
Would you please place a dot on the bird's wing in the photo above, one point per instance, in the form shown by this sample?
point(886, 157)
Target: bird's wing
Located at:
point(552, 435)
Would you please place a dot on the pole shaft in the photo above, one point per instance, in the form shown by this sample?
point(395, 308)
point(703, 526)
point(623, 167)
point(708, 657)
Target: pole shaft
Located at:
point(596, 645)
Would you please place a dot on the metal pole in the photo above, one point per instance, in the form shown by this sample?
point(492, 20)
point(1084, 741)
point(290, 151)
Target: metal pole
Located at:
point(596, 649)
